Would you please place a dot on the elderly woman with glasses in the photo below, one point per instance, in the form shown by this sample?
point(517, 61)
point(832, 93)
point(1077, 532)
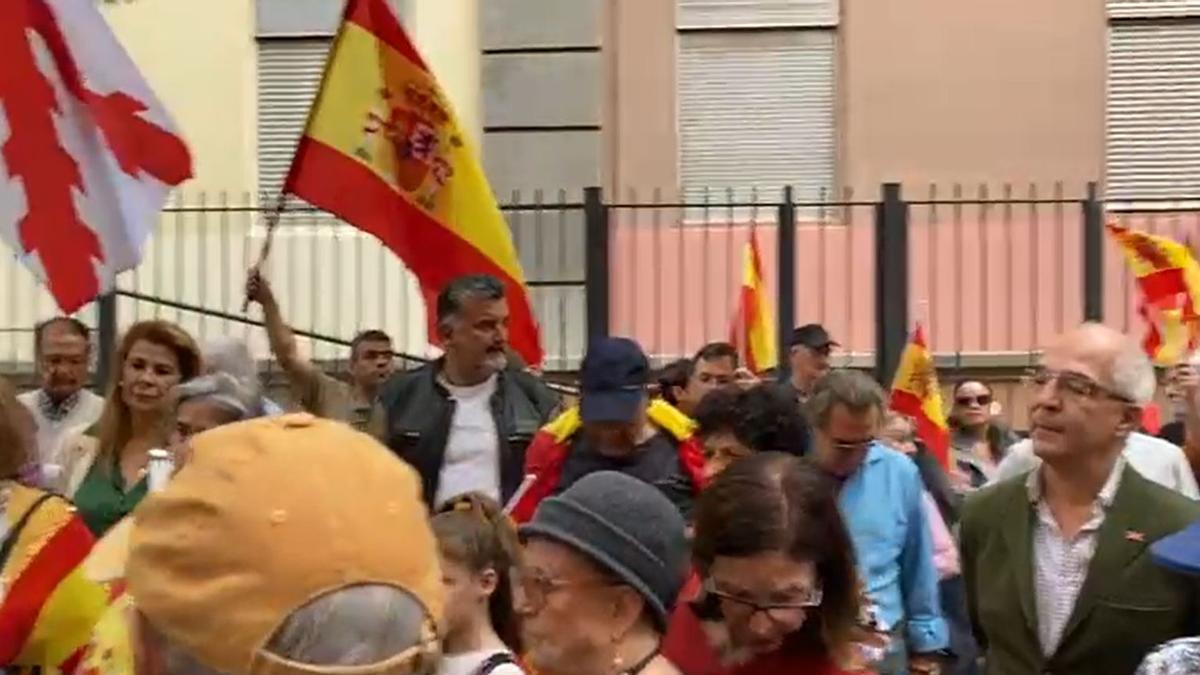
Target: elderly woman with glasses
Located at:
point(778, 590)
point(603, 564)
point(211, 401)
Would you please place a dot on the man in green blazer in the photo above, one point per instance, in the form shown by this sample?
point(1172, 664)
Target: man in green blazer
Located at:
point(1056, 561)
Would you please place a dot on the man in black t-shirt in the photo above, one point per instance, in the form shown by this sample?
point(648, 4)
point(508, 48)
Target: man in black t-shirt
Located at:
point(615, 428)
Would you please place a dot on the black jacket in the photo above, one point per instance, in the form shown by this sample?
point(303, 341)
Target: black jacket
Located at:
point(415, 412)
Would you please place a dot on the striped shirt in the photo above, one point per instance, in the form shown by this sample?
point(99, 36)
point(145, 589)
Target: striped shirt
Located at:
point(1061, 563)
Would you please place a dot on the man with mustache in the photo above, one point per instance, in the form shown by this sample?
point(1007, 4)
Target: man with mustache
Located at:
point(63, 352)
point(1055, 561)
point(616, 427)
point(465, 420)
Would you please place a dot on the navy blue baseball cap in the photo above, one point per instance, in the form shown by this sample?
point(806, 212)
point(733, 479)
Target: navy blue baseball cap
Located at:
point(1179, 552)
point(613, 381)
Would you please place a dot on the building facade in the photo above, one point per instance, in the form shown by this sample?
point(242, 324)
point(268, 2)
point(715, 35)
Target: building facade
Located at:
point(695, 102)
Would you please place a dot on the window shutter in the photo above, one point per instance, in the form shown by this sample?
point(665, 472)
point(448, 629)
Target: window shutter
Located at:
point(756, 113)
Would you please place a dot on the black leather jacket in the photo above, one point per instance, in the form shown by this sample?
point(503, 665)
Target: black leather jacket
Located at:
point(414, 412)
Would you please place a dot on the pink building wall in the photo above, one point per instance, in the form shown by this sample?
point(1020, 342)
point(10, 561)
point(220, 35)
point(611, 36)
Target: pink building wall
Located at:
point(982, 283)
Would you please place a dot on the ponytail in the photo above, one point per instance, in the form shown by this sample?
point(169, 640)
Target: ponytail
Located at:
point(474, 531)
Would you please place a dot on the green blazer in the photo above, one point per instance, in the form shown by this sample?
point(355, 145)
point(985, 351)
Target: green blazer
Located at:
point(1127, 606)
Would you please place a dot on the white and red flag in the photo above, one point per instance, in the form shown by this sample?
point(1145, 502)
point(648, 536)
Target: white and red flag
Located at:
point(87, 153)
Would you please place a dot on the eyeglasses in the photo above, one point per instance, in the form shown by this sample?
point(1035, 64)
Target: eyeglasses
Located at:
point(852, 446)
point(981, 400)
point(806, 601)
point(535, 589)
point(1073, 383)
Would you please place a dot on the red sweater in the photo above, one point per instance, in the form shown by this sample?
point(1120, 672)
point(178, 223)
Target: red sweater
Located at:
point(686, 645)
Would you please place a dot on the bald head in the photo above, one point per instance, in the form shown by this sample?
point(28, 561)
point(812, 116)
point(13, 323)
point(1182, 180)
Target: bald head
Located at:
point(1109, 357)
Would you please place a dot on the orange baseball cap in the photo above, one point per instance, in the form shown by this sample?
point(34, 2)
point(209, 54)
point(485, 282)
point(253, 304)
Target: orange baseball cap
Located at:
point(268, 515)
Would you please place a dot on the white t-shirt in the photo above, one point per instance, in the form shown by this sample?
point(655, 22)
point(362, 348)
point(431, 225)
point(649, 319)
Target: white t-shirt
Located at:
point(50, 433)
point(472, 459)
point(468, 664)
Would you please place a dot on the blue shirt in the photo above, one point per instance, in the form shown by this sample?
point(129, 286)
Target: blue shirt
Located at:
point(881, 504)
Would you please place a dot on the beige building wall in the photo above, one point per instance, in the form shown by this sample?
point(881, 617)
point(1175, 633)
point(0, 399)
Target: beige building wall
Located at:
point(986, 91)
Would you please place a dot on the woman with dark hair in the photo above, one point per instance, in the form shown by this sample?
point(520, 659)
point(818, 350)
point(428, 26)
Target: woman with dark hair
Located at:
point(479, 550)
point(673, 379)
point(778, 590)
point(732, 423)
point(980, 442)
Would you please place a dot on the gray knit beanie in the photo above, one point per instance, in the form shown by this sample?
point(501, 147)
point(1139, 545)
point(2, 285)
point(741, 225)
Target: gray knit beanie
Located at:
point(625, 526)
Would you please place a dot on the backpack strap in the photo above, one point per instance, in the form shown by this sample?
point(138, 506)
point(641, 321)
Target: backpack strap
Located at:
point(495, 661)
point(14, 533)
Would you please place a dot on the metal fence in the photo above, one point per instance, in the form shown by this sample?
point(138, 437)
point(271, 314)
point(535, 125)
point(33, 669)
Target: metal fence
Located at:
point(992, 272)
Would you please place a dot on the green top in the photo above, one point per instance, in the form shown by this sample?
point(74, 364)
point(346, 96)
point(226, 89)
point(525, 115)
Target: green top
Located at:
point(102, 499)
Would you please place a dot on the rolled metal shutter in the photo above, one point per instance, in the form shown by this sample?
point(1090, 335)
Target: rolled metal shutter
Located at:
point(289, 74)
point(1153, 111)
point(1143, 9)
point(756, 13)
point(756, 113)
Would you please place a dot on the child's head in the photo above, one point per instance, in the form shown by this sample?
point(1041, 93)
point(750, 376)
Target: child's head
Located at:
point(479, 549)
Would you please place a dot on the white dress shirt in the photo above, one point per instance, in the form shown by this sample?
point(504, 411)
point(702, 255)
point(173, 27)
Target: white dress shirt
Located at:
point(1157, 460)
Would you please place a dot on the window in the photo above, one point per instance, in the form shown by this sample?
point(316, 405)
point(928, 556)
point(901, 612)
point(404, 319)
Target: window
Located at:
point(294, 37)
point(1153, 100)
point(756, 98)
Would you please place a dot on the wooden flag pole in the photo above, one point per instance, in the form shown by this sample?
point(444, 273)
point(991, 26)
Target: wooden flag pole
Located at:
point(272, 222)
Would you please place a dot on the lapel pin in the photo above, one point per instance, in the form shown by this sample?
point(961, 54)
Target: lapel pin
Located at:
point(1133, 535)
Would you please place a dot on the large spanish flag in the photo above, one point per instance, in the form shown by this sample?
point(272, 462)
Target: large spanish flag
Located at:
point(1168, 281)
point(915, 393)
point(753, 330)
point(384, 151)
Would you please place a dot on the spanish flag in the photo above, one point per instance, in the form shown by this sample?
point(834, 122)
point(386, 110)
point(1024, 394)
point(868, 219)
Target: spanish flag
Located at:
point(383, 151)
point(915, 393)
point(753, 330)
point(1168, 281)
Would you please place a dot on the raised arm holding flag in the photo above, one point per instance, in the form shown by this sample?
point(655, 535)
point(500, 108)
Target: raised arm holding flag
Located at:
point(383, 150)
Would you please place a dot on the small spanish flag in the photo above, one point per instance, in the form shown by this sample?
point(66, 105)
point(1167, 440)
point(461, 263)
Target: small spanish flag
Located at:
point(753, 331)
point(1168, 281)
point(383, 151)
point(915, 393)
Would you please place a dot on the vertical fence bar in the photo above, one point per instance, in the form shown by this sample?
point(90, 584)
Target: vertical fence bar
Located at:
point(891, 281)
point(596, 265)
point(107, 320)
point(787, 276)
point(1093, 256)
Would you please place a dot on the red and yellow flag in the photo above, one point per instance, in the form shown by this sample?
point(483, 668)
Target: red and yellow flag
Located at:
point(753, 331)
point(383, 151)
point(1168, 281)
point(915, 393)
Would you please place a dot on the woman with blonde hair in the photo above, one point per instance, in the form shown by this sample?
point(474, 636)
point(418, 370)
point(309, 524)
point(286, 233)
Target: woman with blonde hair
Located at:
point(104, 474)
point(47, 607)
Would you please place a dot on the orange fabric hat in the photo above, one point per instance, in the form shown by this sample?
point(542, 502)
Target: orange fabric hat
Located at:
point(268, 515)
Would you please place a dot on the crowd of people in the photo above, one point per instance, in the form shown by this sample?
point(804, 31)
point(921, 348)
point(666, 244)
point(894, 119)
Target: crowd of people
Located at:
point(462, 518)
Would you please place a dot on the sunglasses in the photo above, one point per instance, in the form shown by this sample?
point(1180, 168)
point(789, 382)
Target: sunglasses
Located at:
point(981, 400)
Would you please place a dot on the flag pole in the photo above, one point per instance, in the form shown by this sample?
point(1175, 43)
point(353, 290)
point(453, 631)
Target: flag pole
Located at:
point(263, 253)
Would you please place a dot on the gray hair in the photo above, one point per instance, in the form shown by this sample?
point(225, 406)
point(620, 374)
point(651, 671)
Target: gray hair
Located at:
point(452, 298)
point(354, 626)
point(224, 391)
point(226, 354)
point(850, 388)
point(1132, 374)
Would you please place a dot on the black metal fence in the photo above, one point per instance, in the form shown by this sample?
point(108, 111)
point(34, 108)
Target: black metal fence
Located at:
point(992, 273)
